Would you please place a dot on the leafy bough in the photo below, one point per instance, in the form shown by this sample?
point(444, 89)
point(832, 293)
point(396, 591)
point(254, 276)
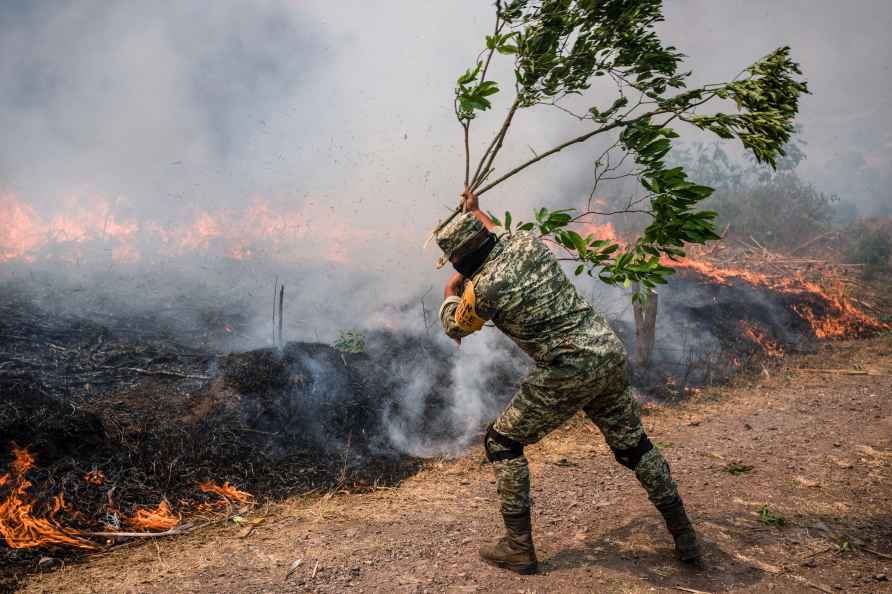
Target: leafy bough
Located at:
point(560, 49)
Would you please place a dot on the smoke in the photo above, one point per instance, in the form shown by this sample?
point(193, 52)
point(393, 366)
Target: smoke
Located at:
point(480, 376)
point(322, 136)
point(170, 108)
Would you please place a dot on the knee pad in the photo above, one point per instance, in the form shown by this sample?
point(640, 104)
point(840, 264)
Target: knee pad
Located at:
point(512, 449)
point(630, 457)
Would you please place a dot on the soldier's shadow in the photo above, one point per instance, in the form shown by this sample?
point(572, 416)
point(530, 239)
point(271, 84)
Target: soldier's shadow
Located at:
point(644, 548)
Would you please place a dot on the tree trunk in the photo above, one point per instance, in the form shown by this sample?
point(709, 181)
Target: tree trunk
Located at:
point(645, 327)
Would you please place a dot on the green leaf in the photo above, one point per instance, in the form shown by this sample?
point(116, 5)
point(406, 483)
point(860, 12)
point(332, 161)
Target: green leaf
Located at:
point(472, 102)
point(578, 242)
point(486, 89)
point(469, 75)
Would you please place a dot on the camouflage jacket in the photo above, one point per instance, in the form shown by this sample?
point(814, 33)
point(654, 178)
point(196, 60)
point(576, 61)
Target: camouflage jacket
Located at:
point(522, 289)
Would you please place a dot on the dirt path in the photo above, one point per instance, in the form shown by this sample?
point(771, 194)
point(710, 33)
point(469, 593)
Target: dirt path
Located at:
point(821, 450)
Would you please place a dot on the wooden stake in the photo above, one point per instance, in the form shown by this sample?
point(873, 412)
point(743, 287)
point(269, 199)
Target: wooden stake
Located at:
point(275, 303)
point(281, 308)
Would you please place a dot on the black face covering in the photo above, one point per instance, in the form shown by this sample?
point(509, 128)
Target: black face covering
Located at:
point(472, 262)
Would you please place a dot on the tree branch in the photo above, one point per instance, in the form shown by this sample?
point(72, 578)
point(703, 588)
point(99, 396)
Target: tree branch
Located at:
point(494, 147)
point(466, 125)
point(560, 147)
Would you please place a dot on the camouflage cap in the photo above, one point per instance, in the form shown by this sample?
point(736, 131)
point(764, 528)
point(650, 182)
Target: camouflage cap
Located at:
point(457, 232)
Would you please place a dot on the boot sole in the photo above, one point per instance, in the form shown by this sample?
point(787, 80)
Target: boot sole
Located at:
point(530, 569)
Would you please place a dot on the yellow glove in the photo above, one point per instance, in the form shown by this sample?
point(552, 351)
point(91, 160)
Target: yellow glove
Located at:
point(465, 314)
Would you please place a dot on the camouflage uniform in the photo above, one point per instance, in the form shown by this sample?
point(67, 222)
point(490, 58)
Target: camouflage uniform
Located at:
point(580, 363)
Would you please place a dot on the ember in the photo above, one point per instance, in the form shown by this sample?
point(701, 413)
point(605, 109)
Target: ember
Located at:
point(95, 477)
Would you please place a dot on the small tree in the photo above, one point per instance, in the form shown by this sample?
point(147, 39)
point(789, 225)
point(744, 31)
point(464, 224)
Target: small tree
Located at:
point(771, 205)
point(560, 49)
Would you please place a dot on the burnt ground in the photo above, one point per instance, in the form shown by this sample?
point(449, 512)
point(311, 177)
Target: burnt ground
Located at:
point(157, 407)
point(128, 399)
point(820, 448)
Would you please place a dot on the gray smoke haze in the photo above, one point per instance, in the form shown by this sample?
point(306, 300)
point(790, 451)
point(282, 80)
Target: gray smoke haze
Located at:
point(343, 109)
point(336, 117)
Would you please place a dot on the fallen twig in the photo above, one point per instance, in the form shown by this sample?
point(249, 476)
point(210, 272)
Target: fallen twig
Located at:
point(766, 567)
point(816, 553)
point(877, 553)
point(865, 304)
point(247, 430)
point(683, 589)
point(157, 372)
point(810, 584)
point(775, 570)
point(172, 532)
point(837, 371)
point(811, 241)
point(297, 563)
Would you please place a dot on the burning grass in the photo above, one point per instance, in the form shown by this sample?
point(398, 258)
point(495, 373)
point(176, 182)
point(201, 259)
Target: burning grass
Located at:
point(121, 415)
point(159, 518)
point(20, 525)
point(822, 286)
point(128, 430)
point(227, 492)
point(770, 347)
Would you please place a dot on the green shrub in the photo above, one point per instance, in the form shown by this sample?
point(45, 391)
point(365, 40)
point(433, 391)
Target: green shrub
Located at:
point(873, 247)
point(350, 341)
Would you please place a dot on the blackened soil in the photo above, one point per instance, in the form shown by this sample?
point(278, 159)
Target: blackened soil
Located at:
point(158, 418)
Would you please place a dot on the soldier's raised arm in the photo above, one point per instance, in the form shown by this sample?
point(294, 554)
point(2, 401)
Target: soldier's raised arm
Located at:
point(472, 205)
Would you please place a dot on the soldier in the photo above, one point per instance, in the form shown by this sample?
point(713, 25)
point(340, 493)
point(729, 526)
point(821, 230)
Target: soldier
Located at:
point(516, 282)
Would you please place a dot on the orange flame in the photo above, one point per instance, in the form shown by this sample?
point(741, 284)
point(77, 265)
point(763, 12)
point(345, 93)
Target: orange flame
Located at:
point(600, 231)
point(771, 348)
point(95, 477)
point(18, 527)
point(842, 319)
point(239, 234)
point(226, 491)
point(826, 327)
point(154, 518)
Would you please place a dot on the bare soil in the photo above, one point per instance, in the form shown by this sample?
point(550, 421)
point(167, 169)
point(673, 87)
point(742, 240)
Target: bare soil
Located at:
point(820, 448)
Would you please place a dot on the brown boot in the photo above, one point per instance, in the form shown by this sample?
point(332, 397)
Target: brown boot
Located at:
point(515, 550)
point(686, 547)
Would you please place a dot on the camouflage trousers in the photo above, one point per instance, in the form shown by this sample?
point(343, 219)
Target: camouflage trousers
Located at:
point(548, 397)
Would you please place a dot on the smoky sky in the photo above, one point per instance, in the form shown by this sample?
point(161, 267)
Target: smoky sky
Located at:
point(171, 107)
